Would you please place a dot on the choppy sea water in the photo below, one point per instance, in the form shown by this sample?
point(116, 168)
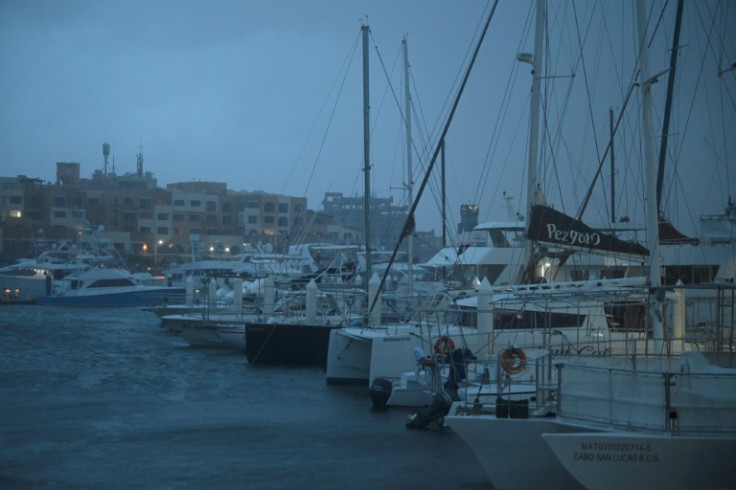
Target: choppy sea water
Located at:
point(104, 398)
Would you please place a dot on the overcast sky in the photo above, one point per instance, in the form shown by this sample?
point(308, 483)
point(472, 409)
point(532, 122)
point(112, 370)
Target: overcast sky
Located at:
point(267, 95)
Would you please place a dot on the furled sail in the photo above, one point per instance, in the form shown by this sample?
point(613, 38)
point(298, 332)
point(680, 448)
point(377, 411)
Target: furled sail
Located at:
point(549, 226)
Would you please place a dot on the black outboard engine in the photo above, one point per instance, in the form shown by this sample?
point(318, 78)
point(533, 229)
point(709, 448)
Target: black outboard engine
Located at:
point(380, 392)
point(442, 401)
point(436, 411)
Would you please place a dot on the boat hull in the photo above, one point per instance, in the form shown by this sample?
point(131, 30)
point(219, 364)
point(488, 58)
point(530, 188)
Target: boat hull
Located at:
point(287, 343)
point(512, 451)
point(638, 461)
point(127, 298)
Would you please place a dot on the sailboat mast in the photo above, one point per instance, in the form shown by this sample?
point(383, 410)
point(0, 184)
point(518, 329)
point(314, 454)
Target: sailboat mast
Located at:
point(655, 278)
point(444, 195)
point(366, 153)
point(613, 168)
point(534, 116)
point(668, 103)
point(409, 172)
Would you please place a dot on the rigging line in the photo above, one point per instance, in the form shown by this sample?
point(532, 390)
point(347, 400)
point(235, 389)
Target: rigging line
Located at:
point(500, 117)
point(699, 78)
point(586, 80)
point(409, 224)
point(608, 147)
point(388, 80)
point(558, 139)
point(712, 49)
point(346, 63)
point(329, 124)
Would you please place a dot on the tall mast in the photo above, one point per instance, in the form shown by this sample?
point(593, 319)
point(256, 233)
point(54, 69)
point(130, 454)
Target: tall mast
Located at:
point(668, 104)
point(366, 153)
point(655, 277)
point(613, 169)
point(409, 172)
point(536, 60)
point(444, 206)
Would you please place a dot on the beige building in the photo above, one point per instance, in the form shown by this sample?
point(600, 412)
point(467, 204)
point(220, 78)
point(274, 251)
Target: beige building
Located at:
point(147, 220)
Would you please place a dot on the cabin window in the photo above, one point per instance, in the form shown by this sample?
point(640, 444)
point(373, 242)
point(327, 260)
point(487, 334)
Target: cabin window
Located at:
point(108, 283)
point(626, 316)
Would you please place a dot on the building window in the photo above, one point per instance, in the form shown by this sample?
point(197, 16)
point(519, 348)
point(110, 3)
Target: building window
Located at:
point(128, 216)
point(298, 221)
point(93, 201)
point(193, 217)
point(283, 222)
point(283, 207)
point(60, 202)
point(211, 218)
point(162, 230)
point(227, 220)
point(268, 207)
point(145, 229)
point(252, 220)
point(15, 199)
point(179, 202)
point(298, 208)
point(251, 205)
point(59, 214)
point(210, 206)
point(162, 216)
point(144, 203)
point(268, 219)
point(195, 204)
point(178, 217)
point(227, 207)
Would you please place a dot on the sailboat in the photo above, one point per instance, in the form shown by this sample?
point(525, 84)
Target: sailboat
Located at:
point(619, 421)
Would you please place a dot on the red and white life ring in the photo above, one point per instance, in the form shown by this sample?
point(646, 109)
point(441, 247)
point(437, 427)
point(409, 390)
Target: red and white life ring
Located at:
point(513, 360)
point(444, 345)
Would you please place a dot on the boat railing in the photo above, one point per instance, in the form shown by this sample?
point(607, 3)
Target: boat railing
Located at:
point(660, 395)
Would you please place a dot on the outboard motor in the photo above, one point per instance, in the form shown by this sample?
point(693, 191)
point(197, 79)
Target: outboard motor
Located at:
point(442, 401)
point(436, 411)
point(380, 392)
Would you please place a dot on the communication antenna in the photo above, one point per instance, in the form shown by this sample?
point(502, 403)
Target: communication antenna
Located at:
point(105, 153)
point(139, 158)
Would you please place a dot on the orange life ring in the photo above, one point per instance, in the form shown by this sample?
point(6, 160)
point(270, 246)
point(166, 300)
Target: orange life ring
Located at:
point(513, 360)
point(444, 345)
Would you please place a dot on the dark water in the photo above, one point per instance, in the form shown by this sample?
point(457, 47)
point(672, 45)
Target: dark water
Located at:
point(106, 399)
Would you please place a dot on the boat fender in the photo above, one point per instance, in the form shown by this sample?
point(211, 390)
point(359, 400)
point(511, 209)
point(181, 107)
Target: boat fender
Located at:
point(513, 360)
point(444, 345)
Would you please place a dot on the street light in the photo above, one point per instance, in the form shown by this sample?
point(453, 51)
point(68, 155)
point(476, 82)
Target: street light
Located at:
point(155, 253)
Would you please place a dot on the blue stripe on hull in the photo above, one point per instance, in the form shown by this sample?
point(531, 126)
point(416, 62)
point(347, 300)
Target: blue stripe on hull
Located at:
point(133, 298)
